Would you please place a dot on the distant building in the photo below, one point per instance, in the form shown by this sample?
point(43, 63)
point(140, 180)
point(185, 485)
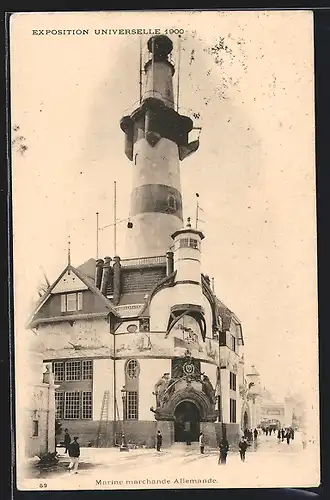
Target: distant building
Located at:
point(39, 426)
point(286, 413)
point(250, 394)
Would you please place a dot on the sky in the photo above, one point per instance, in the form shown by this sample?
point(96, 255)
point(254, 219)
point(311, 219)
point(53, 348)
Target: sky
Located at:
point(248, 78)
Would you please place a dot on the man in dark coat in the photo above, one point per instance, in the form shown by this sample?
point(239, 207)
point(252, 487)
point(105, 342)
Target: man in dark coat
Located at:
point(74, 454)
point(242, 445)
point(67, 440)
point(159, 441)
point(255, 434)
point(224, 447)
point(288, 436)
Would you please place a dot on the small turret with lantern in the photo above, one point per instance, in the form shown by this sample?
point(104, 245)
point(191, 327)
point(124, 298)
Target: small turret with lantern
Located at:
point(187, 254)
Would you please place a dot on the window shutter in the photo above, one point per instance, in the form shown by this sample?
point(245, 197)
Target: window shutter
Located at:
point(80, 301)
point(63, 303)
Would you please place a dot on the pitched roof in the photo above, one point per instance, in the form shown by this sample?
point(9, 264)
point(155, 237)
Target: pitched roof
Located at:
point(85, 279)
point(88, 268)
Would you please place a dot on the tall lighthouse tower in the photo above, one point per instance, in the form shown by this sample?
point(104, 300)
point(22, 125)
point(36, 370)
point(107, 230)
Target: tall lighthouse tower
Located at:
point(156, 140)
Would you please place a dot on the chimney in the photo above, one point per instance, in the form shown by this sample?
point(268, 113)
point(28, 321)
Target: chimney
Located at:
point(98, 273)
point(106, 275)
point(169, 263)
point(116, 279)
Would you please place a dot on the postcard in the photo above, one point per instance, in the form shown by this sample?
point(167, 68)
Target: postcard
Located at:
point(164, 250)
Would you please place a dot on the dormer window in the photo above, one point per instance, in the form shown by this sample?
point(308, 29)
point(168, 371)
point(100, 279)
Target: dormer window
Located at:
point(71, 302)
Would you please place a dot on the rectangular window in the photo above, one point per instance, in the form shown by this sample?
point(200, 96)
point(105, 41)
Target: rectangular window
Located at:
point(35, 429)
point(233, 343)
point(193, 243)
point(132, 405)
point(71, 302)
point(87, 370)
point(232, 381)
point(58, 370)
point(184, 242)
point(222, 338)
point(233, 411)
point(86, 404)
point(72, 405)
point(59, 405)
point(72, 370)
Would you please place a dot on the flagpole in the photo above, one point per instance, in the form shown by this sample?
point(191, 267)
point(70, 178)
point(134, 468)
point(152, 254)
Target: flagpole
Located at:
point(178, 72)
point(97, 235)
point(197, 209)
point(114, 218)
point(69, 252)
point(140, 71)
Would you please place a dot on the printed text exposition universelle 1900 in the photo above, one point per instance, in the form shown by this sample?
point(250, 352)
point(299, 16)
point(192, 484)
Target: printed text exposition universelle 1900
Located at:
point(120, 31)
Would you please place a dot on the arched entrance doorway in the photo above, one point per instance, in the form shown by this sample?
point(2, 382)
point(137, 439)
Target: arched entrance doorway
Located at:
point(187, 422)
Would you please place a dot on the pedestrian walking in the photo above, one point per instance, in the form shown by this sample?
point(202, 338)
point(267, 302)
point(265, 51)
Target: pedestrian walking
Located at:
point(74, 454)
point(242, 445)
point(279, 435)
point(67, 440)
point(159, 441)
point(224, 447)
point(201, 443)
point(292, 433)
point(282, 434)
point(288, 436)
point(255, 434)
point(267, 431)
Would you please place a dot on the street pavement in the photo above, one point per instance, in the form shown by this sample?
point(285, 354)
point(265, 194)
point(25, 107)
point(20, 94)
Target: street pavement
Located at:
point(269, 463)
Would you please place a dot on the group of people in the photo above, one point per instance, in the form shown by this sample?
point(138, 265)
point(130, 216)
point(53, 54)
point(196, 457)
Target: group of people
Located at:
point(287, 434)
point(224, 448)
point(268, 430)
point(201, 441)
point(251, 435)
point(73, 449)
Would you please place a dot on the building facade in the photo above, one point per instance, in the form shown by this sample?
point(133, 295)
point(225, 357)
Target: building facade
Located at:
point(142, 343)
point(38, 428)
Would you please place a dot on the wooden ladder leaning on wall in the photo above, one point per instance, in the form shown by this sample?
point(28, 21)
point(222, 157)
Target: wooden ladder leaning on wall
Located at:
point(104, 418)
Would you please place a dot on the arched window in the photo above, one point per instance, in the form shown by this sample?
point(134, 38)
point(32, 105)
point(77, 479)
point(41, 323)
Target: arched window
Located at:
point(171, 202)
point(132, 369)
point(131, 390)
